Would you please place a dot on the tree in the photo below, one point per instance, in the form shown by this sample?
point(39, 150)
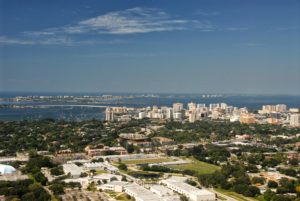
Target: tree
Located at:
point(183, 198)
point(258, 180)
point(130, 148)
point(56, 171)
point(40, 178)
point(83, 174)
point(191, 182)
point(124, 178)
point(268, 195)
point(281, 198)
point(57, 189)
point(123, 166)
point(293, 162)
point(272, 184)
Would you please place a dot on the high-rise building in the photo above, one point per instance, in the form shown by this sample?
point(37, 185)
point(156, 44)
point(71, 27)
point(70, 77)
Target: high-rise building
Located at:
point(223, 106)
point(295, 120)
point(177, 115)
point(192, 116)
point(247, 118)
point(109, 114)
point(177, 107)
point(212, 106)
point(200, 105)
point(192, 106)
point(281, 108)
point(155, 109)
point(169, 113)
point(142, 115)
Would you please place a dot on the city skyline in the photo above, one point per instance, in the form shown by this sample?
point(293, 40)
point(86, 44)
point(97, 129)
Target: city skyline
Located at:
point(228, 47)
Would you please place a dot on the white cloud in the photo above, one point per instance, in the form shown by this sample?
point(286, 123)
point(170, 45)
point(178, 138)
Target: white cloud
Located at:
point(12, 41)
point(129, 21)
point(57, 40)
point(290, 28)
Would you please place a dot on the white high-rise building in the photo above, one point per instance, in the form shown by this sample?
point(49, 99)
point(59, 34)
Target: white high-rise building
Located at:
point(177, 115)
point(200, 105)
point(281, 108)
point(223, 106)
point(169, 113)
point(192, 116)
point(177, 107)
point(192, 106)
point(295, 120)
point(109, 114)
point(142, 115)
point(212, 106)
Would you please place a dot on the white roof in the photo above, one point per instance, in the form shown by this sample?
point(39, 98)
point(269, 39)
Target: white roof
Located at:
point(7, 169)
point(140, 193)
point(94, 165)
point(72, 168)
point(116, 183)
point(107, 176)
point(161, 189)
point(188, 188)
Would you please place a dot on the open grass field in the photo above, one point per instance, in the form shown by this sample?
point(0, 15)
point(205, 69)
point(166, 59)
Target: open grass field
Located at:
point(148, 160)
point(235, 195)
point(123, 197)
point(101, 172)
point(199, 166)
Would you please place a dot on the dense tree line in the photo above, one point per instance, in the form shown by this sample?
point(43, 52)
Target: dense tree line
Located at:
point(144, 175)
point(158, 168)
point(34, 165)
point(50, 135)
point(208, 153)
point(230, 177)
point(25, 190)
point(223, 130)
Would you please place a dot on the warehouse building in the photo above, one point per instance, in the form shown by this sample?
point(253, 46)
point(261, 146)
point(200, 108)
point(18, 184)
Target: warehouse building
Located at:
point(193, 193)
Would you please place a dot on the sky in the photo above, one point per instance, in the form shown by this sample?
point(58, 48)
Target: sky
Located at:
point(167, 46)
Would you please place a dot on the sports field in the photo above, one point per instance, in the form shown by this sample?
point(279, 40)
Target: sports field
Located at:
point(148, 160)
point(198, 166)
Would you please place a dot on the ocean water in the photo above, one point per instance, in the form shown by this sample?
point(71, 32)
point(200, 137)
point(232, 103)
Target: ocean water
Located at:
point(78, 113)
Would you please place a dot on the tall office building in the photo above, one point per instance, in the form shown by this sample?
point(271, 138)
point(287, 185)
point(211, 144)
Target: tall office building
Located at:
point(281, 108)
point(295, 120)
point(192, 106)
point(109, 114)
point(177, 107)
point(192, 116)
point(169, 113)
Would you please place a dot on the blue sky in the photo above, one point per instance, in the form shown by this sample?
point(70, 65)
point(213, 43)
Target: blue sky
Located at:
point(215, 46)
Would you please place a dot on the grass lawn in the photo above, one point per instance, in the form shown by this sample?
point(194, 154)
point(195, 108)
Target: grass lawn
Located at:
point(123, 197)
point(148, 160)
point(101, 171)
point(199, 166)
point(235, 195)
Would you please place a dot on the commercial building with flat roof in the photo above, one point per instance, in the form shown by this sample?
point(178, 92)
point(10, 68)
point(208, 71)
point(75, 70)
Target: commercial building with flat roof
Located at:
point(72, 169)
point(140, 193)
point(189, 191)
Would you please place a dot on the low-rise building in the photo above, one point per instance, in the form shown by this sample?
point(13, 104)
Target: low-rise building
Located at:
point(193, 193)
point(115, 186)
point(140, 193)
point(7, 169)
point(105, 150)
point(72, 169)
point(161, 190)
